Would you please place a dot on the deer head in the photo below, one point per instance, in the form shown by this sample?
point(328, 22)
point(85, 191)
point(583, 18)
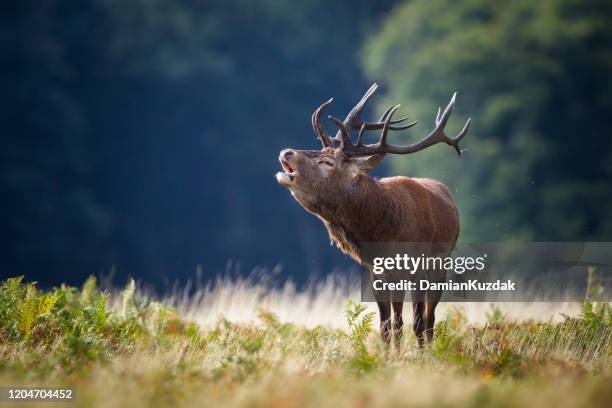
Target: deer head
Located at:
point(319, 178)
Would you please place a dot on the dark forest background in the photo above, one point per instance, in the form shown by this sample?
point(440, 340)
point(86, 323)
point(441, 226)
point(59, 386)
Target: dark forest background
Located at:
point(141, 137)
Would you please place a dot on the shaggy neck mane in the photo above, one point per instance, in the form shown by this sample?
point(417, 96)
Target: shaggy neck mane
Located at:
point(362, 213)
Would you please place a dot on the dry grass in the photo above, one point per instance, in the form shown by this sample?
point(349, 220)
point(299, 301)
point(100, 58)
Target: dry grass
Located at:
point(137, 352)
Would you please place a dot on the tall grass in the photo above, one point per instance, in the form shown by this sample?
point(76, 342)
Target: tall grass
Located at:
point(124, 348)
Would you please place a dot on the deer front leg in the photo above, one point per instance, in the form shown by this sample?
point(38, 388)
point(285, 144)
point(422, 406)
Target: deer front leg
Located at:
point(398, 323)
point(418, 323)
point(384, 308)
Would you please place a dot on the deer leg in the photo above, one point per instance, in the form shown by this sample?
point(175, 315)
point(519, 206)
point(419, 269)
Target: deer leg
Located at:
point(384, 309)
point(418, 324)
point(398, 323)
point(433, 297)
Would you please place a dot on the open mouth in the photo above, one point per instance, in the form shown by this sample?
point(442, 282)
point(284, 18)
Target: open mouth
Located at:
point(288, 169)
point(287, 176)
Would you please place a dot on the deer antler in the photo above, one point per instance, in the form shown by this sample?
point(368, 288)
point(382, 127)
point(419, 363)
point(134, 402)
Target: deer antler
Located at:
point(318, 126)
point(353, 120)
point(436, 136)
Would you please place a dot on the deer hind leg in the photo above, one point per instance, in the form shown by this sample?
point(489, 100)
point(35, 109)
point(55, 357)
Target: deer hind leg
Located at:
point(398, 323)
point(384, 308)
point(418, 323)
point(433, 297)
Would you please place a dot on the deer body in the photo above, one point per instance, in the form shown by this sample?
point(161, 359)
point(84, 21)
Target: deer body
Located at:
point(393, 209)
point(333, 184)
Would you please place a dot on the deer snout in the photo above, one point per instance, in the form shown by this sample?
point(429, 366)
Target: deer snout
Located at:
point(287, 176)
point(286, 154)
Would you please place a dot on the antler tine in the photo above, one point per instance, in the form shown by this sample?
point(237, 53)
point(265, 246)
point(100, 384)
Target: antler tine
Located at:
point(460, 136)
point(384, 115)
point(353, 115)
point(381, 122)
point(441, 122)
point(436, 136)
point(361, 135)
point(318, 126)
point(353, 120)
point(345, 140)
point(411, 124)
point(385, 129)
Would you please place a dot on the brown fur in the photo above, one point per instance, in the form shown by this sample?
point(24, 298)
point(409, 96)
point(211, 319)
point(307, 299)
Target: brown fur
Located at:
point(394, 209)
point(356, 208)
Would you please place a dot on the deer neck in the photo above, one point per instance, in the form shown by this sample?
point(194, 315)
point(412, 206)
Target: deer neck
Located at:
point(351, 217)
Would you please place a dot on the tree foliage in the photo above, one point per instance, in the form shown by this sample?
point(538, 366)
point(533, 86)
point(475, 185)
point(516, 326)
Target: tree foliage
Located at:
point(535, 78)
point(145, 134)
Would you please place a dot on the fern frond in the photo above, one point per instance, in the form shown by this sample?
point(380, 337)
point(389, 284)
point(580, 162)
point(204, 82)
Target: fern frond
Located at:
point(27, 312)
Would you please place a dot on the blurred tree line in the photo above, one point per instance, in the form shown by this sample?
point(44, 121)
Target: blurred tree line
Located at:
point(536, 78)
point(144, 134)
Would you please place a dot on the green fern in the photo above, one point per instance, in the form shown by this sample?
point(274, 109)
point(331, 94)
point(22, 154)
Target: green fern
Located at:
point(12, 292)
point(596, 315)
point(32, 308)
point(27, 312)
point(360, 325)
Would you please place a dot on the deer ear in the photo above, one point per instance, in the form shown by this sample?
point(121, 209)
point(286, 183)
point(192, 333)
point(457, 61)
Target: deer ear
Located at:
point(367, 164)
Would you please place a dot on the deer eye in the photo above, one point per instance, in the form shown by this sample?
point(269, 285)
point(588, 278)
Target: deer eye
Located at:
point(326, 163)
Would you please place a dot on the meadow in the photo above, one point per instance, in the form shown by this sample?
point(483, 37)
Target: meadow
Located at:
point(234, 343)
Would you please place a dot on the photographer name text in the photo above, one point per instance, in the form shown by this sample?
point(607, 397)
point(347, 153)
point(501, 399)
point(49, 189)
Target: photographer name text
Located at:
point(423, 284)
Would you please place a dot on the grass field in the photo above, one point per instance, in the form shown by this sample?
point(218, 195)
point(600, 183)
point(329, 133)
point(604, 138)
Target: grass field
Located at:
point(125, 349)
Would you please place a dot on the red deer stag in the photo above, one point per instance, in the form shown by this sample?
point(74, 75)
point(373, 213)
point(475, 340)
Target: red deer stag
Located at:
point(333, 184)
